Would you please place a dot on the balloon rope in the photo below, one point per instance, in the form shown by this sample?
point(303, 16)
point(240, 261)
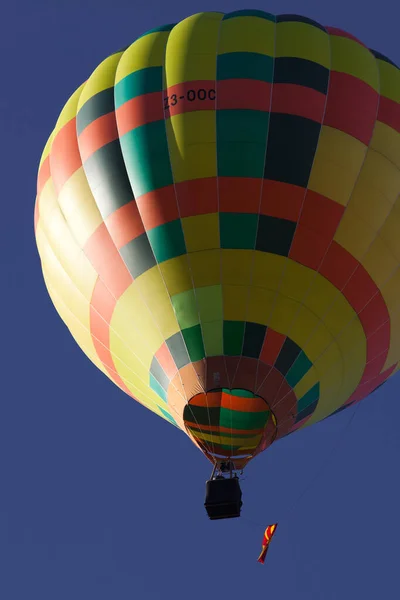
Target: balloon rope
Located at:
point(321, 469)
point(326, 460)
point(248, 521)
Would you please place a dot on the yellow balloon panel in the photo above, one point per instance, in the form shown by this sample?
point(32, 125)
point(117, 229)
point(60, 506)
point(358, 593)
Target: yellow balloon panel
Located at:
point(79, 207)
point(148, 51)
point(247, 34)
point(56, 276)
point(63, 244)
point(191, 49)
point(337, 164)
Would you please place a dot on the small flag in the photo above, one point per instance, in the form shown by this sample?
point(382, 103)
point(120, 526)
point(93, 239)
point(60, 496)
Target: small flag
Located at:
point(269, 532)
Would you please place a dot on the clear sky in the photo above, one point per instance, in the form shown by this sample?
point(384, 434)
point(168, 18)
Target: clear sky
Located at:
point(91, 504)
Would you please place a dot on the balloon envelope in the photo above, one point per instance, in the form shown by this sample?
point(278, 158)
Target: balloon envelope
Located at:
point(218, 223)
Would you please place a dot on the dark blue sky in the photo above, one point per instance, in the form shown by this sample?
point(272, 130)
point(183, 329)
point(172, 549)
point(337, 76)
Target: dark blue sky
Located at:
point(83, 512)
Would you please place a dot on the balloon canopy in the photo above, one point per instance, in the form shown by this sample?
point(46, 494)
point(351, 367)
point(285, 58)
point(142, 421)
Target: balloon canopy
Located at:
point(218, 222)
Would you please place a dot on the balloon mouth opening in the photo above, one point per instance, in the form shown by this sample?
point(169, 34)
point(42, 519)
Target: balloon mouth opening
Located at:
point(230, 424)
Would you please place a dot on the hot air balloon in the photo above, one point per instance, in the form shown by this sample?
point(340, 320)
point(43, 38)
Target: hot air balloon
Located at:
point(218, 223)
